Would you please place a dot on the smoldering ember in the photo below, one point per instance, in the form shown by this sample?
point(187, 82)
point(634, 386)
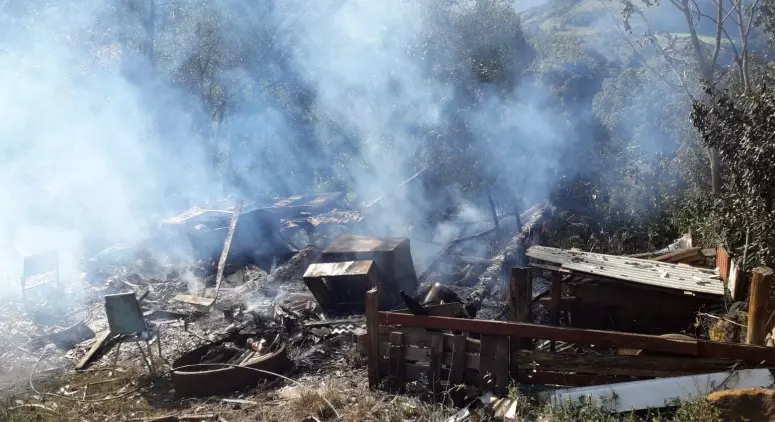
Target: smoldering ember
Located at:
point(458, 210)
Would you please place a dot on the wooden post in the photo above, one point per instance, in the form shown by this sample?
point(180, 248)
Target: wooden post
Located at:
point(372, 331)
point(521, 294)
point(521, 297)
point(737, 283)
point(457, 370)
point(434, 367)
point(758, 304)
point(556, 297)
point(396, 361)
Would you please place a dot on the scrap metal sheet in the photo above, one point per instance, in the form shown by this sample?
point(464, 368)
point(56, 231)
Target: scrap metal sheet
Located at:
point(643, 271)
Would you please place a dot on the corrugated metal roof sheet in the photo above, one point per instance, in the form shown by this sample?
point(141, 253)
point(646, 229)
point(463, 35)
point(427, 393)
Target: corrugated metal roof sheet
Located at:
point(659, 274)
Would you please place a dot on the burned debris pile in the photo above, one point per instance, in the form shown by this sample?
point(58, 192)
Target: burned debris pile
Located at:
point(493, 309)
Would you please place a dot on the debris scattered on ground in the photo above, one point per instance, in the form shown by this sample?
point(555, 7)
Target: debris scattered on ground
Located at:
point(259, 319)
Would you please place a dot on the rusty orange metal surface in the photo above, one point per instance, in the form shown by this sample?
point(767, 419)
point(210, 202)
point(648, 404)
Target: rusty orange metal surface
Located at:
point(722, 263)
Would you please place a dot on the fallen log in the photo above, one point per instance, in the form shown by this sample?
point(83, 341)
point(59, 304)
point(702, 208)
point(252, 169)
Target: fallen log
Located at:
point(493, 278)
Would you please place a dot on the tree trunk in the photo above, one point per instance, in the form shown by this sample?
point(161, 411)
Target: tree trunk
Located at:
point(715, 170)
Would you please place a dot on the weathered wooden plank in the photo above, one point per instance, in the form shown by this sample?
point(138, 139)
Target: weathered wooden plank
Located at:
point(417, 372)
point(422, 354)
point(98, 344)
point(452, 310)
point(737, 283)
point(570, 379)
point(501, 366)
point(638, 366)
point(225, 250)
point(521, 295)
point(457, 369)
point(521, 298)
point(396, 354)
point(554, 306)
point(679, 255)
point(372, 330)
point(434, 366)
point(487, 364)
point(419, 337)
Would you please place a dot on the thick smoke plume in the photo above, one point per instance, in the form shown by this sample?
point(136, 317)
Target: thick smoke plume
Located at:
point(117, 114)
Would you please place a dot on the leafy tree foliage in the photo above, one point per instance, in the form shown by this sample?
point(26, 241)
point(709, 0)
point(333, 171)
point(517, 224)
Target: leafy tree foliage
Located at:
point(739, 124)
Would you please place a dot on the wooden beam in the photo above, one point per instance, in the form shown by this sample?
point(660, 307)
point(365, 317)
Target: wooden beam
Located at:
point(435, 363)
point(549, 268)
point(761, 287)
point(372, 331)
point(98, 344)
point(747, 353)
point(521, 298)
point(554, 306)
point(487, 364)
point(225, 250)
point(637, 366)
point(457, 369)
point(737, 283)
point(679, 255)
point(521, 295)
point(396, 361)
point(569, 379)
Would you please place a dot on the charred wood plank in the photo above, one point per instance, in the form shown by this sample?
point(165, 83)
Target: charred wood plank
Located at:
point(225, 250)
point(396, 361)
point(372, 331)
point(680, 255)
point(637, 366)
point(457, 369)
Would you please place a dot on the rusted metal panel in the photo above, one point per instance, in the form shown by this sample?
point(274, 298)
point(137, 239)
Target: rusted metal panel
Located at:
point(722, 263)
point(391, 255)
point(642, 271)
point(193, 379)
point(341, 286)
point(347, 244)
point(337, 269)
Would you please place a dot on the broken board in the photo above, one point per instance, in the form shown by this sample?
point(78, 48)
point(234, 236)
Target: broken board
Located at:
point(198, 301)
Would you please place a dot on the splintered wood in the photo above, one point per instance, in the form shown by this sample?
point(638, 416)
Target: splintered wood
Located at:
point(226, 247)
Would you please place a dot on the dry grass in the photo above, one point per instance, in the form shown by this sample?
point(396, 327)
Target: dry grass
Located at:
point(345, 390)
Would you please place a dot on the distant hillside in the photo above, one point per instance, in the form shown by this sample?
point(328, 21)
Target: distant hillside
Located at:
point(598, 24)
